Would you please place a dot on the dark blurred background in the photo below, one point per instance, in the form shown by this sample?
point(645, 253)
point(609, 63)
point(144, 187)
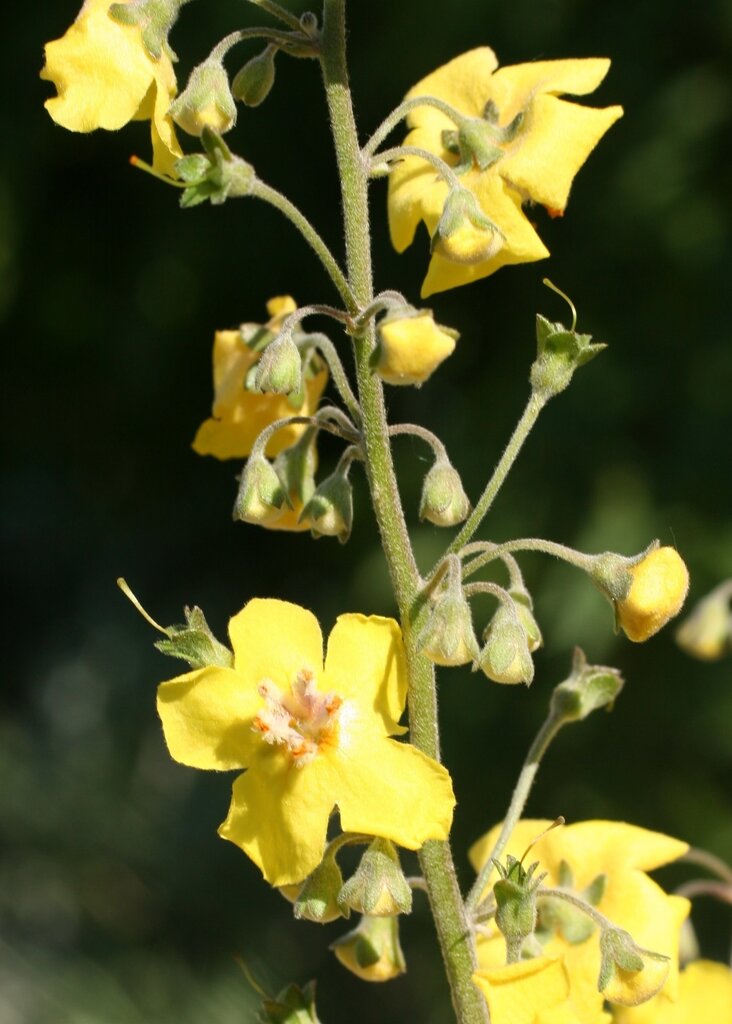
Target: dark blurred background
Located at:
point(118, 903)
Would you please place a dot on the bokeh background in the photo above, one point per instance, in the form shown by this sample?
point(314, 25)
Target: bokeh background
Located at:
point(118, 903)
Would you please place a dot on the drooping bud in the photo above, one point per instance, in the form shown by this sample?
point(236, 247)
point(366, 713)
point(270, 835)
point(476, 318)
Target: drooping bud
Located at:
point(279, 370)
point(443, 501)
point(329, 512)
point(253, 82)
point(560, 351)
point(261, 493)
point(505, 656)
point(707, 632)
point(155, 18)
point(629, 975)
point(372, 951)
point(524, 607)
point(447, 637)
point(464, 234)
point(296, 466)
point(410, 346)
point(317, 899)
point(293, 1005)
point(206, 101)
point(378, 886)
point(588, 688)
point(647, 590)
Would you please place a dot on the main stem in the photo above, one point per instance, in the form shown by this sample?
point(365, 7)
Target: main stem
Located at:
point(437, 866)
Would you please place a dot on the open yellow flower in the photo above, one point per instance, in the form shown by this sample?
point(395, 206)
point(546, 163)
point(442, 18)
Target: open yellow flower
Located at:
point(705, 995)
point(239, 415)
point(311, 736)
point(536, 991)
point(105, 78)
point(621, 854)
point(523, 144)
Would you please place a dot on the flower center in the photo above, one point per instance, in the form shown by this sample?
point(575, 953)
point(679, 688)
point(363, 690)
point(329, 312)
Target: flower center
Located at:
point(302, 721)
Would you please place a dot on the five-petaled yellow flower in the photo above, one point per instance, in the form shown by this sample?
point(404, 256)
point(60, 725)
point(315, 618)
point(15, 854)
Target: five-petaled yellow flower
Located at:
point(105, 78)
point(518, 142)
point(704, 997)
point(614, 856)
point(312, 737)
point(240, 415)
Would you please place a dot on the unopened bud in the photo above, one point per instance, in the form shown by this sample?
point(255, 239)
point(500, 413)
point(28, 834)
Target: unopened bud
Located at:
point(447, 637)
point(293, 1005)
point(253, 82)
point(707, 632)
point(372, 951)
point(588, 688)
point(206, 101)
point(329, 512)
point(378, 886)
point(464, 234)
point(317, 899)
point(505, 656)
point(629, 975)
point(261, 493)
point(410, 346)
point(443, 501)
point(515, 895)
point(524, 607)
point(279, 370)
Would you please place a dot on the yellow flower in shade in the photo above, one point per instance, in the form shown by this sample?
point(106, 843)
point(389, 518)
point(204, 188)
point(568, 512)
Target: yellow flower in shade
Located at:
point(519, 142)
point(372, 951)
point(657, 593)
point(704, 997)
point(411, 348)
point(311, 736)
point(608, 860)
point(706, 633)
point(536, 991)
point(240, 415)
point(105, 78)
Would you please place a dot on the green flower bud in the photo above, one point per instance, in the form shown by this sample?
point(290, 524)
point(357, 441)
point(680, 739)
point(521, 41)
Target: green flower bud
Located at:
point(515, 895)
point(372, 951)
point(447, 637)
point(524, 610)
point(279, 369)
point(378, 887)
point(296, 466)
point(559, 353)
point(443, 501)
point(293, 1005)
point(253, 83)
point(505, 656)
point(206, 101)
point(261, 494)
point(588, 688)
point(464, 234)
point(317, 899)
point(195, 643)
point(329, 512)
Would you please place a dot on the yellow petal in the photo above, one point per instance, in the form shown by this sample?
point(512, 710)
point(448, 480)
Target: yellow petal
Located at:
point(275, 640)
point(411, 349)
point(536, 164)
point(416, 193)
point(279, 815)
point(390, 789)
point(657, 594)
point(513, 87)
point(365, 662)
point(464, 82)
point(207, 718)
point(519, 993)
point(239, 416)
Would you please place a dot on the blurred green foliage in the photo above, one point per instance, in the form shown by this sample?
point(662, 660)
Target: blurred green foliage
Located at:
point(118, 903)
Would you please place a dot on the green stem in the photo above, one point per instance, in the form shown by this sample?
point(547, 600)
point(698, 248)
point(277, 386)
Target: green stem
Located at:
point(399, 152)
point(399, 113)
point(278, 12)
point(436, 860)
point(337, 371)
point(311, 236)
point(552, 724)
point(547, 547)
point(273, 35)
point(514, 446)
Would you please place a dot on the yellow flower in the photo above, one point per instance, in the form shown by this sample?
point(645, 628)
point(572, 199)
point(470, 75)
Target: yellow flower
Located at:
point(704, 997)
point(536, 991)
point(519, 142)
point(240, 415)
point(105, 78)
point(706, 633)
point(411, 348)
point(659, 587)
point(312, 737)
point(618, 855)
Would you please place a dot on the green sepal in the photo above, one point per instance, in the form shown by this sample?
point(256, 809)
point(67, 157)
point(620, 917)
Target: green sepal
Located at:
point(378, 886)
point(559, 352)
point(195, 643)
point(588, 688)
point(220, 174)
point(293, 1005)
point(155, 18)
point(617, 949)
